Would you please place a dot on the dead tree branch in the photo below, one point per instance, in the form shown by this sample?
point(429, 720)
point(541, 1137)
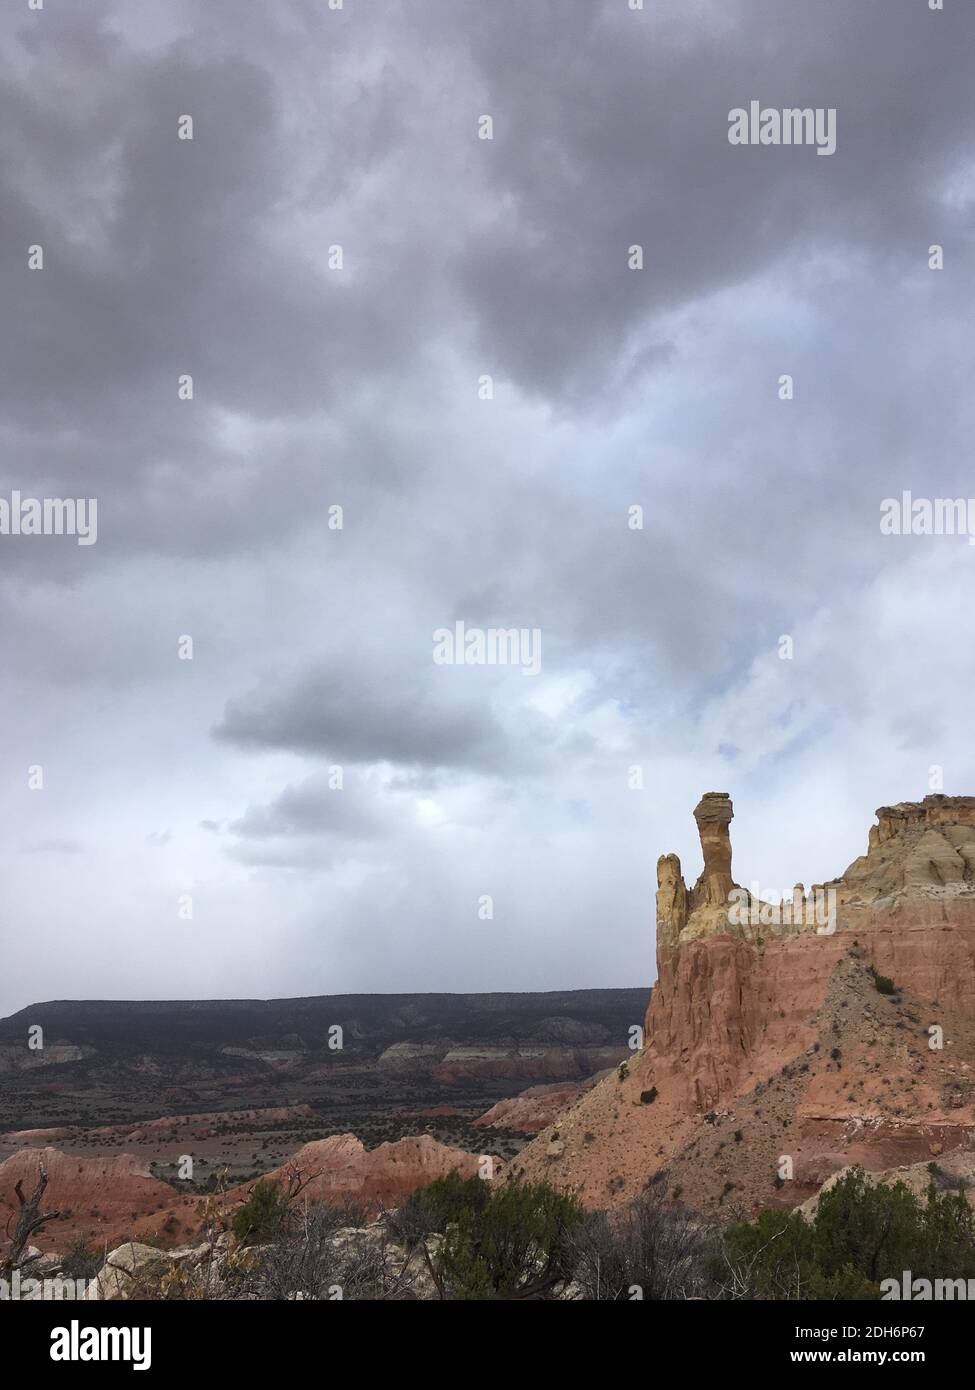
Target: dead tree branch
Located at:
point(29, 1219)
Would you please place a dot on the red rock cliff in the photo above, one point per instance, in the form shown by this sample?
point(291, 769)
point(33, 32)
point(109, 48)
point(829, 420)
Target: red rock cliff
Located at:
point(738, 1005)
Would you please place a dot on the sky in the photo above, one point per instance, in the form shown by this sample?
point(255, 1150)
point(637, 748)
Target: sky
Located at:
point(446, 337)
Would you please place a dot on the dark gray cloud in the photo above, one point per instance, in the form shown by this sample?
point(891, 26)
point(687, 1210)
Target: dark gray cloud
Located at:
point(599, 144)
point(338, 715)
point(612, 388)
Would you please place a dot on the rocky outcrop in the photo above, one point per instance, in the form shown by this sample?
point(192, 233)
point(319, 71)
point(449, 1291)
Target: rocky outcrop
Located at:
point(686, 915)
point(451, 1064)
point(302, 1263)
point(919, 869)
point(341, 1167)
point(535, 1108)
point(525, 1063)
point(774, 1033)
point(714, 814)
point(23, 1058)
point(129, 1271)
point(673, 907)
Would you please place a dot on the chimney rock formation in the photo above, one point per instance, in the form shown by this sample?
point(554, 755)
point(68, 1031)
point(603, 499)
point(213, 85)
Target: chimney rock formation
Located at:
point(770, 1034)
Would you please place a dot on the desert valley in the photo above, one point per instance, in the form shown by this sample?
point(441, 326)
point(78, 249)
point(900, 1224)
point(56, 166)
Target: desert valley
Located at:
point(120, 1093)
point(777, 1057)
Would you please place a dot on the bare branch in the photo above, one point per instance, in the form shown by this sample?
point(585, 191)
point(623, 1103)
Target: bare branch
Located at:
point(29, 1220)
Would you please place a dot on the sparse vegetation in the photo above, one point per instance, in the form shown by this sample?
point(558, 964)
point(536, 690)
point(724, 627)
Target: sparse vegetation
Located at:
point(508, 1243)
point(862, 1232)
point(652, 1245)
point(438, 1205)
point(261, 1216)
point(516, 1246)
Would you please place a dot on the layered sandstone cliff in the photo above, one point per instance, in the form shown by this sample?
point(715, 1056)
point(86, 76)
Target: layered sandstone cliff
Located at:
point(919, 868)
point(807, 1031)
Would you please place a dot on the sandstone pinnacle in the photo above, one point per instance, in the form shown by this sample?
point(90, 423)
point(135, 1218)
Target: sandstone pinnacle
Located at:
point(714, 813)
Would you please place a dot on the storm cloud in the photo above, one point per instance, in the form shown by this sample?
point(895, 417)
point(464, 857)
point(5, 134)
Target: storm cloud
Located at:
point(442, 336)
